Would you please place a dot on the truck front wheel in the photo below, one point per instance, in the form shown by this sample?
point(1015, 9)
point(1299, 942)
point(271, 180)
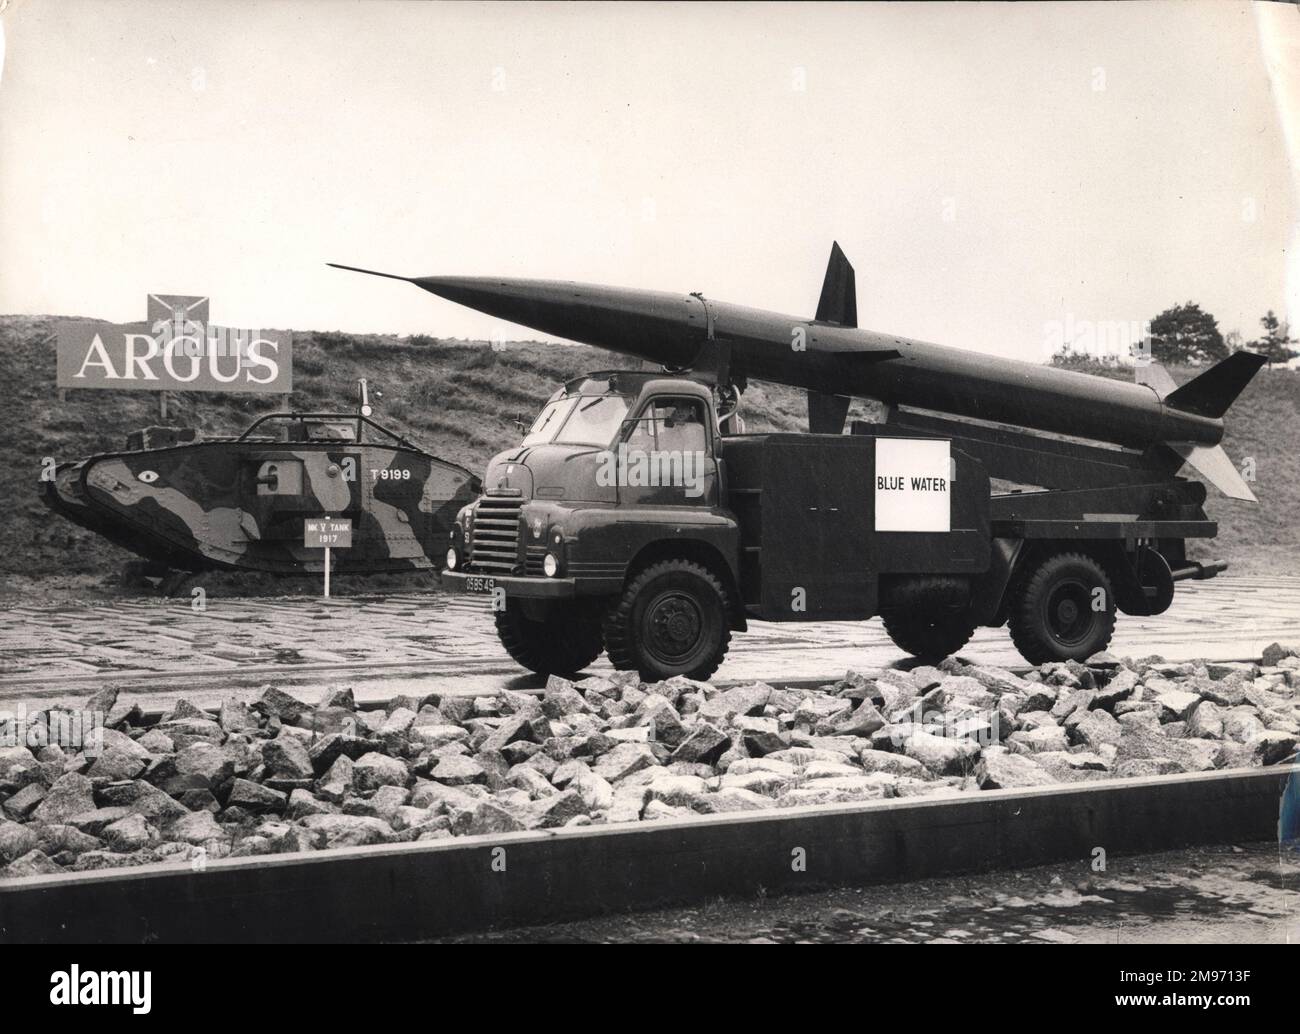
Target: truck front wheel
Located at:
point(1064, 610)
point(670, 620)
point(564, 643)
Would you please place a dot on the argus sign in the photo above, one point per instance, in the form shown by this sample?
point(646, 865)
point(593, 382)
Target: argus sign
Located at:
point(176, 349)
point(913, 484)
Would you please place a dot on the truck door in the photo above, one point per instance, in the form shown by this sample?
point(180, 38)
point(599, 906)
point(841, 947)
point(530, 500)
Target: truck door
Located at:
point(816, 520)
point(666, 457)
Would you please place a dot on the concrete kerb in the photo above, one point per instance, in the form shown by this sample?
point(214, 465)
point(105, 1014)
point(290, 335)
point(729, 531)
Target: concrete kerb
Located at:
point(430, 889)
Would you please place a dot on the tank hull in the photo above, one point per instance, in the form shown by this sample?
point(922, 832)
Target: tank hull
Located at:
point(240, 505)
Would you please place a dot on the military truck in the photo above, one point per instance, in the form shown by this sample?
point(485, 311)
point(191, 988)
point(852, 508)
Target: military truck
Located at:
point(632, 519)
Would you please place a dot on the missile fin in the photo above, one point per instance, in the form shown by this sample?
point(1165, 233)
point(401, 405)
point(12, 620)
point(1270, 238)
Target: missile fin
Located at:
point(713, 361)
point(826, 413)
point(839, 300)
point(1216, 467)
point(1217, 388)
point(1155, 377)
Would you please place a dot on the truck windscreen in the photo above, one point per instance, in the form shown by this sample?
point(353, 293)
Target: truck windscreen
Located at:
point(579, 420)
point(548, 421)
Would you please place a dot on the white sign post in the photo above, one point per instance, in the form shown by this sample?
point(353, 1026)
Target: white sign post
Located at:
point(913, 484)
point(327, 533)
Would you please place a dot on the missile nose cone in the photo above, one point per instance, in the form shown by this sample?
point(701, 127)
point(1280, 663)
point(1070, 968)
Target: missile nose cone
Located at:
point(540, 304)
point(485, 294)
point(650, 324)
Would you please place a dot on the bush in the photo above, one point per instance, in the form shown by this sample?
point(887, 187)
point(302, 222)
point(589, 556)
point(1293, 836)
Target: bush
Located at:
point(308, 365)
point(396, 410)
point(480, 358)
point(1080, 363)
point(431, 391)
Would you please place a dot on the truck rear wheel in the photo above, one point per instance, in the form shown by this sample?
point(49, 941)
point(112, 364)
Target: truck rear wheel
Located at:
point(1064, 610)
point(670, 620)
point(567, 641)
point(928, 636)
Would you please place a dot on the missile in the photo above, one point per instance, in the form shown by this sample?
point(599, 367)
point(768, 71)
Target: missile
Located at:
point(833, 360)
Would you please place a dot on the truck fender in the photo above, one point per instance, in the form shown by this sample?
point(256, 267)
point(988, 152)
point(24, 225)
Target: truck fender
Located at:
point(988, 591)
point(700, 552)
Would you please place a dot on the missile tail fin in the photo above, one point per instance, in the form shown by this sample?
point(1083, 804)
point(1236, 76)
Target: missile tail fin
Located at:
point(1217, 388)
point(839, 299)
point(1216, 467)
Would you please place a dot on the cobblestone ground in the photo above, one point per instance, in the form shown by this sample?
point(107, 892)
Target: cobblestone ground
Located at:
point(405, 643)
point(1230, 894)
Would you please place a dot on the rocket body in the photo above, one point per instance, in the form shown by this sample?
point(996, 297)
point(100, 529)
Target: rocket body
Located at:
point(822, 357)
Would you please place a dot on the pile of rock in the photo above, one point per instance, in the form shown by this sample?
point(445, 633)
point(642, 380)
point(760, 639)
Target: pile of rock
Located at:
point(281, 775)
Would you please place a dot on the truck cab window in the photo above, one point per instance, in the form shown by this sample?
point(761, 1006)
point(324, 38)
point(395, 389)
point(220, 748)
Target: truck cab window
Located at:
point(548, 421)
point(671, 425)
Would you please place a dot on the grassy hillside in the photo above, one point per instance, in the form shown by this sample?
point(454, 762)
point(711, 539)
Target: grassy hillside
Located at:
point(459, 401)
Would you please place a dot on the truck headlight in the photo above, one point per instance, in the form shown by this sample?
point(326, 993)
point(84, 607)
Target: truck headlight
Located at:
point(550, 565)
point(452, 559)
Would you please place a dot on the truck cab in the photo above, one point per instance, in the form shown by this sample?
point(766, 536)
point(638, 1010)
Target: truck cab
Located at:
point(619, 474)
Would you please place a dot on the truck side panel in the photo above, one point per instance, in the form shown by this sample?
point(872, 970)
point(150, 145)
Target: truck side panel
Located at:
point(806, 509)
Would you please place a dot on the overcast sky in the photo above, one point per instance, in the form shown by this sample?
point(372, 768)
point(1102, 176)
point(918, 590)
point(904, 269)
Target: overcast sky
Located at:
point(988, 168)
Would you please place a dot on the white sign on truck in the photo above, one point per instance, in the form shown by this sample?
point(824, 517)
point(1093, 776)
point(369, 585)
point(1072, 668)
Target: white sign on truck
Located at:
point(913, 484)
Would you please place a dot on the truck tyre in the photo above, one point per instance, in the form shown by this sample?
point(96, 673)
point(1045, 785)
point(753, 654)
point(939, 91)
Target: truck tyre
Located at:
point(1064, 610)
point(563, 644)
point(930, 637)
point(670, 620)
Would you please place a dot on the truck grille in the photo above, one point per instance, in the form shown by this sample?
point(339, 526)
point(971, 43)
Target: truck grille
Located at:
point(496, 535)
point(533, 557)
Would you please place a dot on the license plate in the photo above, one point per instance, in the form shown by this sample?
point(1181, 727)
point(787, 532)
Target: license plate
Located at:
point(477, 583)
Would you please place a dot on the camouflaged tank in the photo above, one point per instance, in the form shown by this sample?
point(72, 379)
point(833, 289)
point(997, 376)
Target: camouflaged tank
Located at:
point(239, 504)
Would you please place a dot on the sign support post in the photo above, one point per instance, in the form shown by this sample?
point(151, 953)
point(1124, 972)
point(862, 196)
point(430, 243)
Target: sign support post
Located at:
point(327, 572)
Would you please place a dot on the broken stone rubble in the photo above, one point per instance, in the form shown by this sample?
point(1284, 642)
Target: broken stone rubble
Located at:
point(278, 774)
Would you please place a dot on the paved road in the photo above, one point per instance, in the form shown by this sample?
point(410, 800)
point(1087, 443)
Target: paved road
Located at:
point(407, 643)
point(1243, 894)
